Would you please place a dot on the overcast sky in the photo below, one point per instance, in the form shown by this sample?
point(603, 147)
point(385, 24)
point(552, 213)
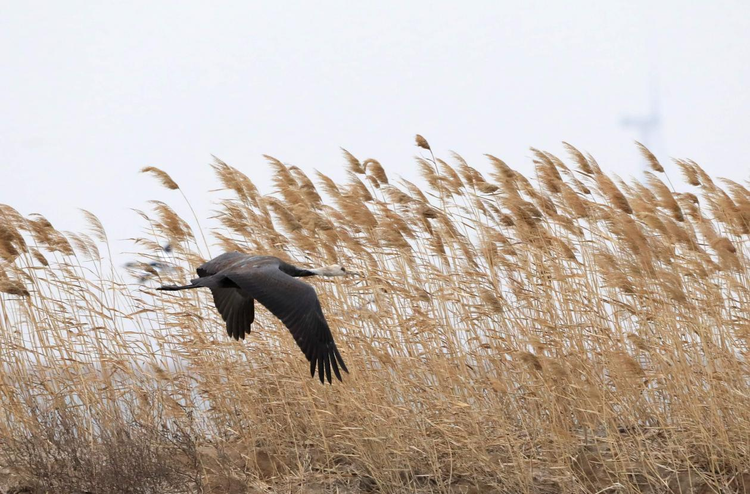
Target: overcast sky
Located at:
point(90, 92)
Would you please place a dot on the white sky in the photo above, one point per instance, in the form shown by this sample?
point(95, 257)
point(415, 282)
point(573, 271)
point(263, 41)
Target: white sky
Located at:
point(90, 92)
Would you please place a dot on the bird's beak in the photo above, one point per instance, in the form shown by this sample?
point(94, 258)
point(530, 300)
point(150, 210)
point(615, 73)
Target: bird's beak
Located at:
point(354, 273)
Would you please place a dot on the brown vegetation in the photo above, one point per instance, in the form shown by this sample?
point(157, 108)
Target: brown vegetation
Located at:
point(571, 333)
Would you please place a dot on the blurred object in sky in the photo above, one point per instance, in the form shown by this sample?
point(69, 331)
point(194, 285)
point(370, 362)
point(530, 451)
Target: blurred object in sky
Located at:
point(648, 126)
point(144, 271)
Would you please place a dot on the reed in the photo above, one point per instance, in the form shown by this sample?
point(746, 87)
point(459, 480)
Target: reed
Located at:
point(563, 333)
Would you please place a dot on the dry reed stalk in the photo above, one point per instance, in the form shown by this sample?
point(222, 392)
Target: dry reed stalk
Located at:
point(611, 192)
point(451, 178)
point(688, 172)
point(353, 163)
point(579, 159)
point(307, 188)
point(162, 176)
point(515, 336)
point(422, 142)
point(650, 158)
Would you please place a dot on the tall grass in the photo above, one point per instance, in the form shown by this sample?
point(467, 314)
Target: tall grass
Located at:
point(567, 332)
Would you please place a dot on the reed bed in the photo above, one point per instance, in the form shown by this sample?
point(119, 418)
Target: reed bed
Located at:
point(567, 332)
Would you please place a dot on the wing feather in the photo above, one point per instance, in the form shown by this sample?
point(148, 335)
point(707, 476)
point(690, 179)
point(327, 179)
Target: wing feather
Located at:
point(296, 304)
point(236, 308)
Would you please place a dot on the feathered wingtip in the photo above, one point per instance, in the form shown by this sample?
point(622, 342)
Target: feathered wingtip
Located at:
point(325, 362)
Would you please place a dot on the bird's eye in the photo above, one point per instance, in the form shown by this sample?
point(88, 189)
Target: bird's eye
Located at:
point(343, 270)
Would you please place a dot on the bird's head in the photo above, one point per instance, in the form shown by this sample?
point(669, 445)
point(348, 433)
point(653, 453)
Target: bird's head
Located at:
point(333, 270)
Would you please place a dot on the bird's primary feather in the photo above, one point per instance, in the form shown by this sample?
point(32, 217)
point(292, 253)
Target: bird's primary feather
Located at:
point(237, 309)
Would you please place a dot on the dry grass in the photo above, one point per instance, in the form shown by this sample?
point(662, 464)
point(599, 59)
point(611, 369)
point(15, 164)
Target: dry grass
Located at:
point(570, 333)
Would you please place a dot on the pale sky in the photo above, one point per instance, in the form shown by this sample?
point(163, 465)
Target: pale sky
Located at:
point(91, 92)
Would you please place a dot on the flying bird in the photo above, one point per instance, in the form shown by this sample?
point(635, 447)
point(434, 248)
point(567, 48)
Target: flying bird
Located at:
point(237, 280)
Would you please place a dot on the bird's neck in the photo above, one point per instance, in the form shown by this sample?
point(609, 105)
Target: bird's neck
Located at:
point(295, 271)
point(324, 271)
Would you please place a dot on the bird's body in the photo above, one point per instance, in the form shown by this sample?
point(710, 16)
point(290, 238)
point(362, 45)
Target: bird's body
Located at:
point(236, 280)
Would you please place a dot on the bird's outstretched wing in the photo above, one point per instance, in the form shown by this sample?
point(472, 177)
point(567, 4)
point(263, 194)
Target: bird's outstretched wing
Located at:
point(237, 308)
point(296, 304)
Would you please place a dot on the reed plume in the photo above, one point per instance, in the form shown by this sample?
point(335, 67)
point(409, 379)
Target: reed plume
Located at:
point(566, 332)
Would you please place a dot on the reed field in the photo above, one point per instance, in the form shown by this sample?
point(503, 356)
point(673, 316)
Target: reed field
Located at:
point(566, 332)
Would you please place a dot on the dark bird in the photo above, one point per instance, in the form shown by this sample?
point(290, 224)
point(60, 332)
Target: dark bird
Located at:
point(236, 280)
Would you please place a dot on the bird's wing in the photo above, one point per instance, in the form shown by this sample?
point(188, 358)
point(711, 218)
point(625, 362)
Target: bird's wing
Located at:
point(218, 263)
point(296, 304)
point(237, 308)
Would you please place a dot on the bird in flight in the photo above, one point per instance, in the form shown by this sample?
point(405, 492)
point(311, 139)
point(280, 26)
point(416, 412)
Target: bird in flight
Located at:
point(237, 280)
